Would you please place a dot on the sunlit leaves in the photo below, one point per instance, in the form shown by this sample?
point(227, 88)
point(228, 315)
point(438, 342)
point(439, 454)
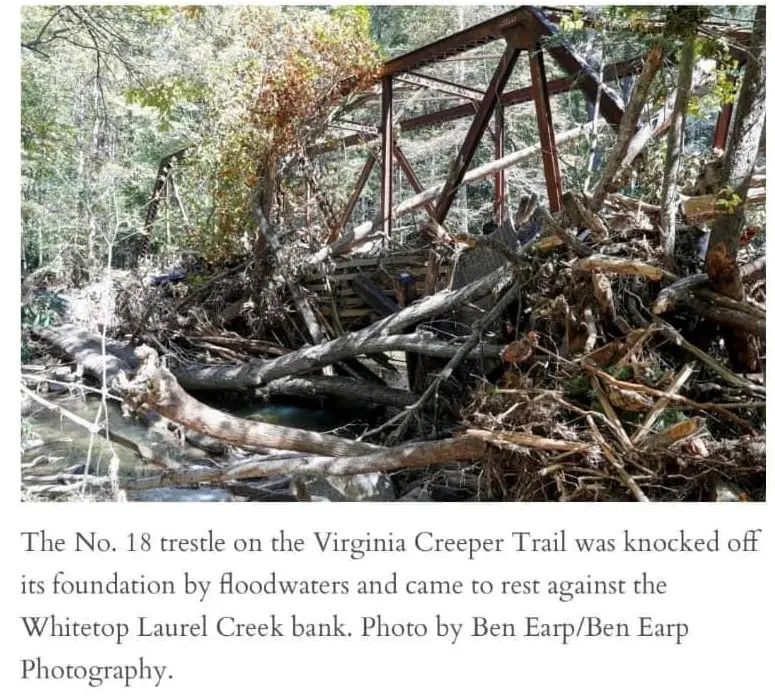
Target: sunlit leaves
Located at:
point(164, 95)
point(728, 201)
point(276, 100)
point(573, 22)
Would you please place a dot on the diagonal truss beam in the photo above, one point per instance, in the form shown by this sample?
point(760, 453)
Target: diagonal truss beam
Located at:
point(363, 178)
point(546, 129)
point(611, 106)
point(411, 176)
point(446, 86)
point(477, 128)
point(512, 97)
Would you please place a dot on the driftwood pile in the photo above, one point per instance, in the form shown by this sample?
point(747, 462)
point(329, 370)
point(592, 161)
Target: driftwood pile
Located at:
point(586, 370)
point(618, 385)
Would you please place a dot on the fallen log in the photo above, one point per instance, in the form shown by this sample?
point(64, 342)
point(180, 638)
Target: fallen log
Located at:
point(86, 349)
point(669, 297)
point(628, 126)
point(244, 344)
point(237, 377)
point(156, 387)
point(456, 359)
point(727, 317)
point(501, 438)
point(186, 476)
point(359, 342)
point(741, 313)
point(354, 391)
point(411, 456)
point(726, 374)
point(146, 452)
point(621, 266)
point(754, 269)
point(706, 207)
point(680, 290)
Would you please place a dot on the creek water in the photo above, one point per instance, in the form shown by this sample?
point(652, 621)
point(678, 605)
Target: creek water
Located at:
point(51, 443)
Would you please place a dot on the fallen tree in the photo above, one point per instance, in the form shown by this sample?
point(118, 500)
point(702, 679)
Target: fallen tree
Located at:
point(87, 350)
point(155, 386)
point(259, 374)
point(363, 393)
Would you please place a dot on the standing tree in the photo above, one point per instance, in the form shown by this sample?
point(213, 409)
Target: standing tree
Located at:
point(738, 166)
point(629, 125)
point(682, 21)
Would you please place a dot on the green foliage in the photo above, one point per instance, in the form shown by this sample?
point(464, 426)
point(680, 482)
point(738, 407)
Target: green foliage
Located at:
point(573, 22)
point(728, 201)
point(400, 28)
point(264, 109)
point(28, 433)
point(664, 23)
point(248, 87)
point(682, 21)
point(164, 95)
point(668, 417)
point(624, 373)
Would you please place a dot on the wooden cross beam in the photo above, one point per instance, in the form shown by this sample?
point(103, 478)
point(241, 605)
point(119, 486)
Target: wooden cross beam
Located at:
point(477, 128)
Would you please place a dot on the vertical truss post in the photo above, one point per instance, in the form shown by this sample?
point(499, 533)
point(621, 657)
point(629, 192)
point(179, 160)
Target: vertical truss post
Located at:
point(499, 134)
point(386, 208)
point(368, 166)
point(546, 129)
point(722, 127)
point(477, 128)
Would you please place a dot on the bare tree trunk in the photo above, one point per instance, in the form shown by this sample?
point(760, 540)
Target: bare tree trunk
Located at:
point(629, 124)
point(593, 117)
point(317, 356)
point(738, 167)
point(268, 233)
point(155, 386)
point(463, 448)
point(675, 139)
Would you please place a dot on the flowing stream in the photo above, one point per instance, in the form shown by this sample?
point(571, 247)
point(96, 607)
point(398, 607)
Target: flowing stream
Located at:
point(52, 443)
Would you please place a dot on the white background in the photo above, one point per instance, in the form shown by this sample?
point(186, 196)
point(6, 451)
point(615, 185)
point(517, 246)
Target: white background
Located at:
point(725, 598)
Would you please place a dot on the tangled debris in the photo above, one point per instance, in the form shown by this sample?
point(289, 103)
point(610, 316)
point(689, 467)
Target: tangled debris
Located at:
point(590, 372)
